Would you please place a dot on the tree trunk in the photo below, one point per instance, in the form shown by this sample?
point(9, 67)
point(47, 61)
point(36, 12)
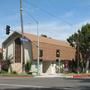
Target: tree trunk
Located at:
point(87, 65)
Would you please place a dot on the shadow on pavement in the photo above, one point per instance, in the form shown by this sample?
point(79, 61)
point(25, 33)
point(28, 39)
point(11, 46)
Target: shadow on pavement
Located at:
point(85, 81)
point(36, 89)
point(55, 88)
point(83, 86)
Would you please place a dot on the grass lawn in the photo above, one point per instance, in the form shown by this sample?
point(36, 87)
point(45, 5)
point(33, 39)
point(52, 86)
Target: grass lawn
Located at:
point(15, 74)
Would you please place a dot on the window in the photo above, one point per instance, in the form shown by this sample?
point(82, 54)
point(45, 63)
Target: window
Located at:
point(17, 50)
point(57, 53)
point(41, 53)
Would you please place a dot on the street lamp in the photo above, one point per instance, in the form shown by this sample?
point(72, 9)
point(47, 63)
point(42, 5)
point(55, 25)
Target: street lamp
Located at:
point(38, 46)
point(38, 50)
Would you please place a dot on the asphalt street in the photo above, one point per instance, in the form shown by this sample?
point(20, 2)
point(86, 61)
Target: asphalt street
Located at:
point(57, 83)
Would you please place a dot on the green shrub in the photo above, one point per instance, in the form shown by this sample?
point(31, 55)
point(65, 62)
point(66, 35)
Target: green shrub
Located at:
point(27, 66)
point(14, 72)
point(5, 66)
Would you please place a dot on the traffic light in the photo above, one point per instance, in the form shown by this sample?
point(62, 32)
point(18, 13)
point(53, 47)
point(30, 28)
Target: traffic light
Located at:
point(41, 53)
point(7, 29)
point(58, 53)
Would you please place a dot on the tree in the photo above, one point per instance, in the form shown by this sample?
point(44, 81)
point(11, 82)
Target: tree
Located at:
point(81, 42)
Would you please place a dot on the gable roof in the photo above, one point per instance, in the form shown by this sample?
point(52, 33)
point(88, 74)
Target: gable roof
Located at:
point(46, 40)
point(10, 37)
point(33, 38)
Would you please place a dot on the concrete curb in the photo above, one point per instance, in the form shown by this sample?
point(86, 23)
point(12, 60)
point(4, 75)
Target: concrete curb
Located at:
point(81, 76)
point(85, 76)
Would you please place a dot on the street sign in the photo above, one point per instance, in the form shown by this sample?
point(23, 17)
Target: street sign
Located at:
point(24, 40)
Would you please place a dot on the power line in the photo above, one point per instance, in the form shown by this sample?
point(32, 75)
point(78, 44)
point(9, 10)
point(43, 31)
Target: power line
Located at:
point(31, 16)
point(38, 47)
point(47, 12)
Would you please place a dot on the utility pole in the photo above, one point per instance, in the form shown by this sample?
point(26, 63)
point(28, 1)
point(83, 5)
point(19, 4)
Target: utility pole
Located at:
point(22, 30)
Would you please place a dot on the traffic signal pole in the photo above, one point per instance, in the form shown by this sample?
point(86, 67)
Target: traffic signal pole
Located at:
point(22, 32)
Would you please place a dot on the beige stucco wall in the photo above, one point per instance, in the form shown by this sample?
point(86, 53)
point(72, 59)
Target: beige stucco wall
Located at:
point(27, 51)
point(34, 67)
point(17, 67)
point(50, 70)
point(9, 51)
point(4, 53)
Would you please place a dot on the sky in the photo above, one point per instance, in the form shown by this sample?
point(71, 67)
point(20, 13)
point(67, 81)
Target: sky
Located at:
point(57, 19)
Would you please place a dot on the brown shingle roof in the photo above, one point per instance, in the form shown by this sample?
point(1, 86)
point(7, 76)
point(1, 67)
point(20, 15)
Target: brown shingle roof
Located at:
point(46, 40)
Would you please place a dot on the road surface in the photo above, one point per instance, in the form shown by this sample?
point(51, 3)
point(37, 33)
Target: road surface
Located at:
point(57, 83)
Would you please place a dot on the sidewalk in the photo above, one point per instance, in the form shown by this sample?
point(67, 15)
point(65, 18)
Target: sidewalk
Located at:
point(61, 75)
point(77, 76)
point(49, 75)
